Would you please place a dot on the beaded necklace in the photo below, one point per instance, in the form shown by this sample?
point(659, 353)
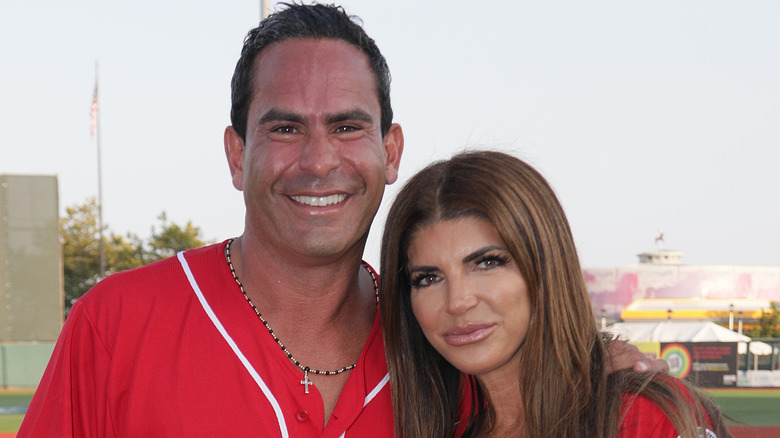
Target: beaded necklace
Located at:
point(306, 370)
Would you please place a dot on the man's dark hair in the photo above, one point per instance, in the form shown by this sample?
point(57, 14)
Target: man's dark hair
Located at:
point(305, 21)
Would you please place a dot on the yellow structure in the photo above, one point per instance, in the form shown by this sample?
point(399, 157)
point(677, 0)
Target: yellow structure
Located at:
point(736, 314)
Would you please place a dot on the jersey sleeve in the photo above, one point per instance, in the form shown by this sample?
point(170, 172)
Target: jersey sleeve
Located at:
point(70, 399)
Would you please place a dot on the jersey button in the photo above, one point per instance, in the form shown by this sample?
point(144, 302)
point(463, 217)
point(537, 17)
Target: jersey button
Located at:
point(302, 415)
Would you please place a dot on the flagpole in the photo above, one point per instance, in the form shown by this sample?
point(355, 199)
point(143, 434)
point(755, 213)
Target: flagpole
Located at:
point(265, 9)
point(102, 243)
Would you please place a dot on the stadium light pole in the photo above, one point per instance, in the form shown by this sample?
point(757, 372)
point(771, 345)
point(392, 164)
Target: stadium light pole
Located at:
point(731, 317)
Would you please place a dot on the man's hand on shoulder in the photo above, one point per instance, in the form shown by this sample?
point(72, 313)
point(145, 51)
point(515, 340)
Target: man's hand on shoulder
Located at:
point(625, 356)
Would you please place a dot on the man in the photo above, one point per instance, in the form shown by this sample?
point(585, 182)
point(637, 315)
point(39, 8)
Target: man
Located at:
point(274, 333)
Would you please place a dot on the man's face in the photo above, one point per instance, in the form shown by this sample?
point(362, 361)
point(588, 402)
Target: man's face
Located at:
point(314, 164)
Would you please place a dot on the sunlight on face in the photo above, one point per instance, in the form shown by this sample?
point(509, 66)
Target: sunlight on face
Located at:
point(314, 165)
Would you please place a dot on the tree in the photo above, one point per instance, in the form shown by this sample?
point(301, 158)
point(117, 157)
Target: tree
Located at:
point(768, 324)
point(171, 239)
point(80, 238)
point(80, 251)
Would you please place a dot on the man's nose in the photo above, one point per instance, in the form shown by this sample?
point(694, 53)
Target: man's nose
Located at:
point(319, 155)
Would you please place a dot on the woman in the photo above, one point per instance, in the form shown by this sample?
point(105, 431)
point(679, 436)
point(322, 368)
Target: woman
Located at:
point(480, 275)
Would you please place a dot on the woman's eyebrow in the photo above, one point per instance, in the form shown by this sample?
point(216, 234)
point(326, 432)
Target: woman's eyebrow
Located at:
point(480, 252)
point(422, 269)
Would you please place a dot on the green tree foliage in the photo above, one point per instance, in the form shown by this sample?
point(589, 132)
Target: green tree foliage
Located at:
point(768, 324)
point(80, 250)
point(171, 238)
point(81, 247)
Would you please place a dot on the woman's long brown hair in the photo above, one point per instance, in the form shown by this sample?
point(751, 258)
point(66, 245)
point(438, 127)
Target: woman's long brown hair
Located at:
point(565, 390)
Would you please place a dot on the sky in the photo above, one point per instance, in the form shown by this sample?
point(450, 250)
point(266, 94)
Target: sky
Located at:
point(644, 116)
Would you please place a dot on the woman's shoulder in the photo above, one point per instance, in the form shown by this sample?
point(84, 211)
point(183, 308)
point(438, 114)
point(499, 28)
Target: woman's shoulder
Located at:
point(643, 417)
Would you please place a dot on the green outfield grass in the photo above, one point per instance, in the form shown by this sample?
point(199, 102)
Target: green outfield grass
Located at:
point(754, 407)
point(10, 422)
point(11, 399)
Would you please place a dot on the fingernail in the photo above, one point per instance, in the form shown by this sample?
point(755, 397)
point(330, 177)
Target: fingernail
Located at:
point(642, 365)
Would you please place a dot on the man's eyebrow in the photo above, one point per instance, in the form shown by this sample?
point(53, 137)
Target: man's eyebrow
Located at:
point(276, 115)
point(355, 114)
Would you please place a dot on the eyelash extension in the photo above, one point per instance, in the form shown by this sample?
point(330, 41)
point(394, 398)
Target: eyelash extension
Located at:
point(501, 259)
point(415, 280)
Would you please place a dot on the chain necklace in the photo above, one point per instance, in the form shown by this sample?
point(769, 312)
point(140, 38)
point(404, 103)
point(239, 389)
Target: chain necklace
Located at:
point(306, 370)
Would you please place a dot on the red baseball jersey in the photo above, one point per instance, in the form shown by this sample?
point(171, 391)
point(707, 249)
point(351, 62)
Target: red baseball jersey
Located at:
point(173, 349)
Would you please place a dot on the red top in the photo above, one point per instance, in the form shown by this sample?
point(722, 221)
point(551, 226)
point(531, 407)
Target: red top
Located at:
point(140, 356)
point(645, 419)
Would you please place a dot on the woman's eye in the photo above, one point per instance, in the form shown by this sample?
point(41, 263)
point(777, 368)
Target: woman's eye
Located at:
point(491, 262)
point(424, 280)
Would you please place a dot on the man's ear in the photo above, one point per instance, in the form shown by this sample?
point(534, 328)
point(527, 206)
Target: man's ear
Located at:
point(394, 148)
point(234, 151)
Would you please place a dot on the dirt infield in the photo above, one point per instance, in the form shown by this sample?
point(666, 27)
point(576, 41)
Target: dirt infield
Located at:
point(747, 431)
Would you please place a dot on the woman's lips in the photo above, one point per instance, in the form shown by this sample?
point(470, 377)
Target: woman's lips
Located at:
point(468, 334)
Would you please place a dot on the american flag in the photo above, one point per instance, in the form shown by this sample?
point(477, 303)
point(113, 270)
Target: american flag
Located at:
point(93, 114)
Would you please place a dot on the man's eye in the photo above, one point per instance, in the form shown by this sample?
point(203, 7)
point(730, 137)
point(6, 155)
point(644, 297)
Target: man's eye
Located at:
point(346, 128)
point(285, 130)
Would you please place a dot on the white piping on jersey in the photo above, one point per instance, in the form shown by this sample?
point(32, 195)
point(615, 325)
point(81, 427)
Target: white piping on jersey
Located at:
point(372, 394)
point(376, 390)
point(233, 346)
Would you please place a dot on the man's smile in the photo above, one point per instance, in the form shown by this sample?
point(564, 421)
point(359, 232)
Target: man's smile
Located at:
point(320, 201)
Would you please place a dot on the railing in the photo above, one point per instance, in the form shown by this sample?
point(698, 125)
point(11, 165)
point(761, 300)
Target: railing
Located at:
point(754, 362)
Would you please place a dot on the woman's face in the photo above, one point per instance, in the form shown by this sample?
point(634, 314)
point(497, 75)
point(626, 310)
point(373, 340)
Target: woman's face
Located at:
point(468, 296)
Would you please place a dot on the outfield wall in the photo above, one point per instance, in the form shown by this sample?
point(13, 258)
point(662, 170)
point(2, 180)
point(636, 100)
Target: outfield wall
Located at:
point(22, 365)
point(758, 379)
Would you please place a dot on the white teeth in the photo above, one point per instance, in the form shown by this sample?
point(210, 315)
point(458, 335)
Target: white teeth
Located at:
point(319, 201)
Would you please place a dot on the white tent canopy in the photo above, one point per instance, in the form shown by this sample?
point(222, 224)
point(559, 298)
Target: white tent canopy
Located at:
point(668, 331)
